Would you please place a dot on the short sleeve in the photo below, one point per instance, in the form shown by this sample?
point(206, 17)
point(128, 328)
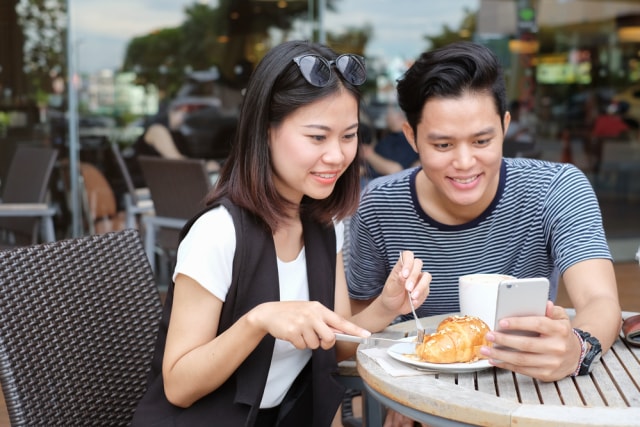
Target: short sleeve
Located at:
point(206, 252)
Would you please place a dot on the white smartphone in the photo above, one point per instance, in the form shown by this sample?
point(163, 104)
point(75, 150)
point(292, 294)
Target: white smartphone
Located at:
point(521, 297)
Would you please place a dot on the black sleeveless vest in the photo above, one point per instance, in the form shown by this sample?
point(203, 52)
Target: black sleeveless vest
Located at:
point(315, 395)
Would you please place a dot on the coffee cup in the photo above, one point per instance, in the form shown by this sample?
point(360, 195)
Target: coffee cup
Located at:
point(478, 295)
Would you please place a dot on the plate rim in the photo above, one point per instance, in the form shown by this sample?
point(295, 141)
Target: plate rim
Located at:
point(458, 367)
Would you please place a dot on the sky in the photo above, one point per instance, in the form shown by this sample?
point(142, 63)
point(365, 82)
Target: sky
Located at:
point(102, 29)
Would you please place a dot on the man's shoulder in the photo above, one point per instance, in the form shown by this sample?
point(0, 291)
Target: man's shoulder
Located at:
point(535, 168)
point(390, 182)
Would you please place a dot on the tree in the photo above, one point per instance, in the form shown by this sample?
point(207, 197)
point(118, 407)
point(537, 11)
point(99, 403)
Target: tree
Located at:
point(354, 40)
point(156, 58)
point(465, 31)
point(231, 38)
point(44, 24)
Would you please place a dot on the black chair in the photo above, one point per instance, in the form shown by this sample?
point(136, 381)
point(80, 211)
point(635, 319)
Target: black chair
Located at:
point(137, 201)
point(178, 188)
point(78, 324)
point(7, 149)
point(24, 194)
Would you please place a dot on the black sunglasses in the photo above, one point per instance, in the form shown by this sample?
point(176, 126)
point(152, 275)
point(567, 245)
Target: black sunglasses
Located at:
point(317, 69)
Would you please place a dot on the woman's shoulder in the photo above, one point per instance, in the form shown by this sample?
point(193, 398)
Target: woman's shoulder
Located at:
point(216, 219)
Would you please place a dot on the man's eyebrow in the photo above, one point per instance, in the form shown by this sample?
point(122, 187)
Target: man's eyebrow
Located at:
point(435, 136)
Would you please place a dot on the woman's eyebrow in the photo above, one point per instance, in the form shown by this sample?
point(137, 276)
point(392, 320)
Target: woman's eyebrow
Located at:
point(327, 128)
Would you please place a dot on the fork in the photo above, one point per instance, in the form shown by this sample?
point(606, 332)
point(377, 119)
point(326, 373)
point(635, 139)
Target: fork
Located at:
point(420, 329)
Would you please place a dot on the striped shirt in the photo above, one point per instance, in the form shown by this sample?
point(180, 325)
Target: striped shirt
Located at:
point(544, 218)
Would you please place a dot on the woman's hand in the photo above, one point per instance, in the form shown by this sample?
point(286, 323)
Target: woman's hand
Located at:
point(550, 356)
point(305, 324)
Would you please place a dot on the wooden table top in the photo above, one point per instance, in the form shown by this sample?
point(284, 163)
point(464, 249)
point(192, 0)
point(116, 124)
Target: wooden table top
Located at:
point(495, 397)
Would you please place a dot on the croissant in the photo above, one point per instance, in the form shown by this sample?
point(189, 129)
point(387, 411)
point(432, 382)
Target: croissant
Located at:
point(457, 339)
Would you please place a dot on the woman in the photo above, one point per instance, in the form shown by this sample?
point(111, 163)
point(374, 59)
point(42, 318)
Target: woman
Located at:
point(163, 138)
point(259, 285)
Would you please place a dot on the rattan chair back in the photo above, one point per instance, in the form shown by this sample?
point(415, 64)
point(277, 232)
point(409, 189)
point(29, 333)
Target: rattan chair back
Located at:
point(78, 324)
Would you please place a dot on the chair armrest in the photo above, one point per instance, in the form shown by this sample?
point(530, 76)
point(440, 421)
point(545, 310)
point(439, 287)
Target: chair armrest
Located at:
point(26, 209)
point(152, 223)
point(46, 212)
point(160, 221)
point(143, 193)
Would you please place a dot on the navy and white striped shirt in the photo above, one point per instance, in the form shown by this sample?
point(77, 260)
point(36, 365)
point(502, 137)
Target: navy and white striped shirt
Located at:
point(545, 218)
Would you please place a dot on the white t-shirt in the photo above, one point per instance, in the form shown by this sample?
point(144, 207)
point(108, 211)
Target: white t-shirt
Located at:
point(206, 255)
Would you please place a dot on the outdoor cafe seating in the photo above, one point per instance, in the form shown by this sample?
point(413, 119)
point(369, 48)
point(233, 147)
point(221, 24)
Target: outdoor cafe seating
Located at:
point(78, 324)
point(178, 188)
point(25, 215)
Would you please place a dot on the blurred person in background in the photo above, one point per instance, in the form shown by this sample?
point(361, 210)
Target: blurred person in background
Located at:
point(162, 137)
point(610, 124)
point(392, 153)
point(518, 139)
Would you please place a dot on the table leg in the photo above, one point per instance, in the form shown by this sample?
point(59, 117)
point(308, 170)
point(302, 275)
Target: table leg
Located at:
point(373, 411)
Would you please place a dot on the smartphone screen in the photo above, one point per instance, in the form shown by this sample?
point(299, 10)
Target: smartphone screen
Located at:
point(521, 297)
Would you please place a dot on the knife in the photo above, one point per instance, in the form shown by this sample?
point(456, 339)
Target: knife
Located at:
point(371, 340)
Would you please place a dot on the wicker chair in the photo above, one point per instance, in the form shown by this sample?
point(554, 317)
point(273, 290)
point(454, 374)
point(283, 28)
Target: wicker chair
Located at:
point(78, 324)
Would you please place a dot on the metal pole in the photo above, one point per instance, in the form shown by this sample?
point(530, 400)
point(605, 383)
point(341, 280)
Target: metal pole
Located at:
point(72, 117)
point(312, 20)
point(322, 38)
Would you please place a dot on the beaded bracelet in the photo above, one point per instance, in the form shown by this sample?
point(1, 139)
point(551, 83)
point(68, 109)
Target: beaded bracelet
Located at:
point(583, 352)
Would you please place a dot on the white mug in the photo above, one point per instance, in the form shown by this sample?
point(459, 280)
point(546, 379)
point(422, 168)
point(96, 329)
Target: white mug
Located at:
point(478, 295)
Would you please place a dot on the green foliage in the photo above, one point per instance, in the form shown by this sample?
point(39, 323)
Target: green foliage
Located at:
point(354, 40)
point(465, 31)
point(156, 58)
point(44, 26)
point(221, 37)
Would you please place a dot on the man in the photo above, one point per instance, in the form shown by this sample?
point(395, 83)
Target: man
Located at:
point(392, 153)
point(466, 209)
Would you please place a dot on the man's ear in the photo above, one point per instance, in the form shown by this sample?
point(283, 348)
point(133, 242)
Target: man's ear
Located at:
point(506, 121)
point(408, 133)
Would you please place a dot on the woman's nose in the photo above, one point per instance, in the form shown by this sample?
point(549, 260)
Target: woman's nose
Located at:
point(334, 153)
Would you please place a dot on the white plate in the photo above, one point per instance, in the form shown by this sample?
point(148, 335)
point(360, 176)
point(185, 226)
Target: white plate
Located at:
point(403, 352)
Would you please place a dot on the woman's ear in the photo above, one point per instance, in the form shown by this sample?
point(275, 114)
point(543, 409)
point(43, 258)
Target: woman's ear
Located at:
point(408, 133)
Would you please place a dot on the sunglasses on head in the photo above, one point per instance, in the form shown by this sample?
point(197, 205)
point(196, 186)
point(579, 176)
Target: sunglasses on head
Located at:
point(317, 70)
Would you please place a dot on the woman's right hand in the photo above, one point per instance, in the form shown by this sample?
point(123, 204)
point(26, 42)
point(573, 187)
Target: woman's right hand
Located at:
point(305, 324)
